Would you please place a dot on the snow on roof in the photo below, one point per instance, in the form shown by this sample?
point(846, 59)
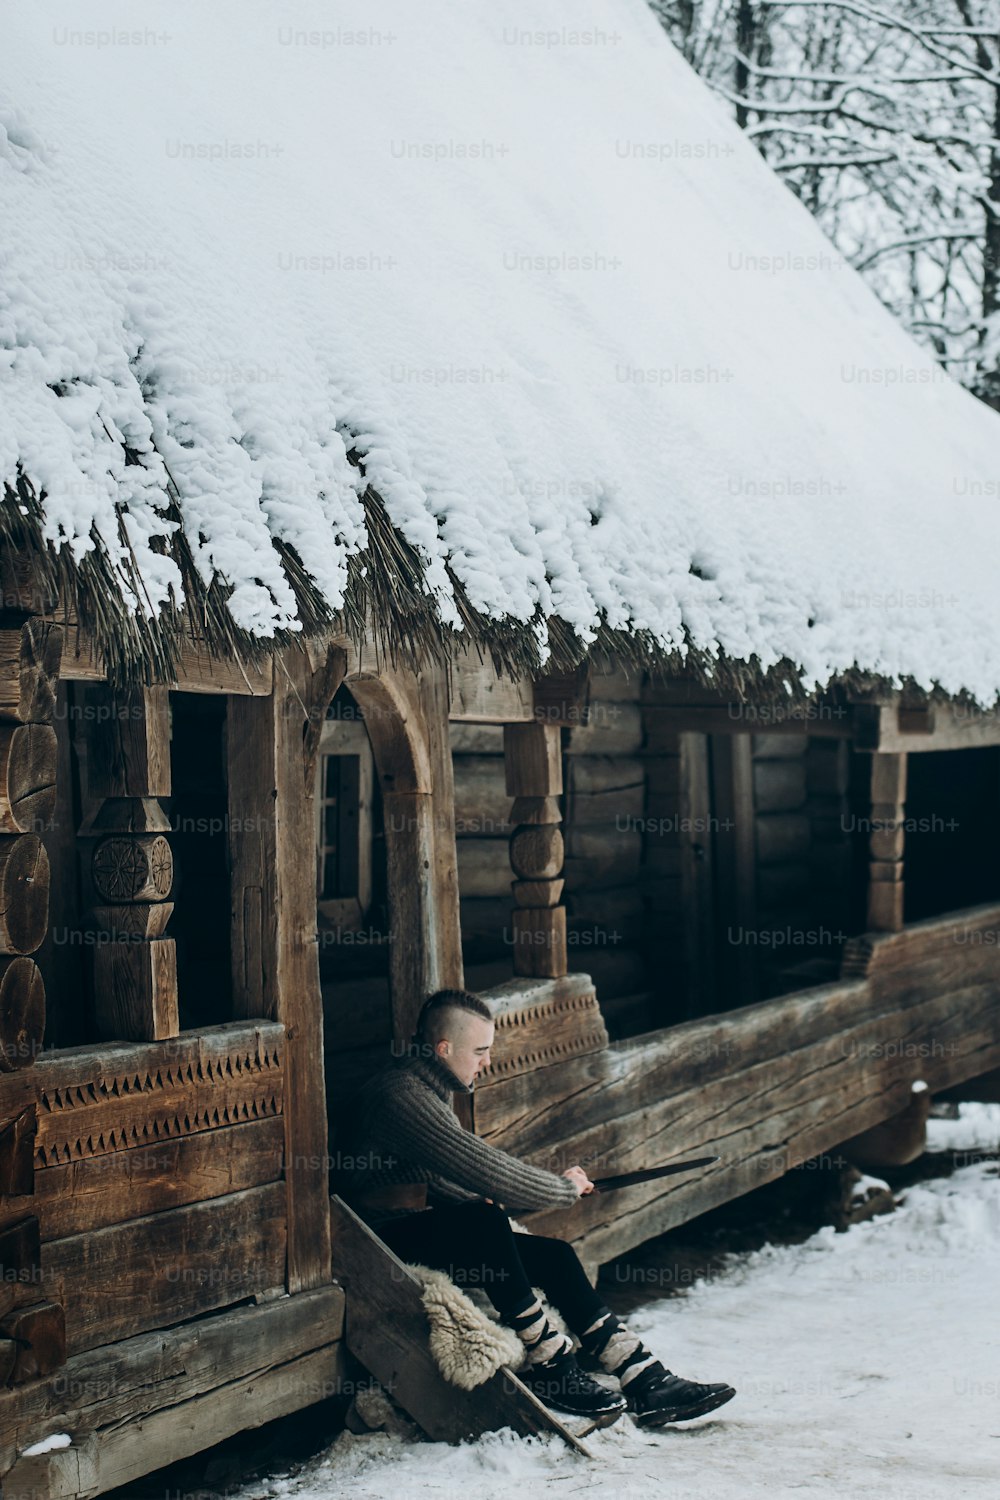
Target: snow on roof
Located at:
point(598, 363)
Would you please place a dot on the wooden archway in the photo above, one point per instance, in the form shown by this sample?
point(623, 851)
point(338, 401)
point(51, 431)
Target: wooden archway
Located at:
point(407, 722)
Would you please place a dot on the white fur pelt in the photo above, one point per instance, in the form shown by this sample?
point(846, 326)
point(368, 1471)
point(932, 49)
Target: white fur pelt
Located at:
point(468, 1343)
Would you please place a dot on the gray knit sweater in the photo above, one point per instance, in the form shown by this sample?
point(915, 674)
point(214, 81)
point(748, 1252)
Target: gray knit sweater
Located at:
point(404, 1129)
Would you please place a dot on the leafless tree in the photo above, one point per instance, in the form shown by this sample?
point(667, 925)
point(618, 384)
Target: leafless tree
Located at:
point(885, 120)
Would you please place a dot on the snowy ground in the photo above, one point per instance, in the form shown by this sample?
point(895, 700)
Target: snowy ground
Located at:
point(866, 1363)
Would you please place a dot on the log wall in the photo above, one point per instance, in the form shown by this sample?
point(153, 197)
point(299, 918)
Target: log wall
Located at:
point(767, 1087)
point(158, 1168)
point(602, 805)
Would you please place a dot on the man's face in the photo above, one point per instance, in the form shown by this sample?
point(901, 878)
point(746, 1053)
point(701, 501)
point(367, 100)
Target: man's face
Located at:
point(467, 1050)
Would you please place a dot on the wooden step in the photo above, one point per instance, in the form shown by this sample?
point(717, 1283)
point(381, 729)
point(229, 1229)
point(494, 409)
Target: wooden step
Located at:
point(386, 1329)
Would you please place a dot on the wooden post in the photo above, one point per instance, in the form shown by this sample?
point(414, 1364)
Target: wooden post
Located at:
point(735, 866)
point(275, 948)
point(885, 843)
point(131, 868)
point(533, 764)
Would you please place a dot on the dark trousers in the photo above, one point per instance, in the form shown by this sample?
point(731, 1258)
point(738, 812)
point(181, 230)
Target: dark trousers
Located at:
point(475, 1244)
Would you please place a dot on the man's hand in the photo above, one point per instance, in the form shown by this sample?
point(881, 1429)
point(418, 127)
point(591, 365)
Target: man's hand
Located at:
point(579, 1176)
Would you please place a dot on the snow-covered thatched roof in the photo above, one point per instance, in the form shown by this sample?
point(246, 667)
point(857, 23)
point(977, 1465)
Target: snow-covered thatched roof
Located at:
point(478, 314)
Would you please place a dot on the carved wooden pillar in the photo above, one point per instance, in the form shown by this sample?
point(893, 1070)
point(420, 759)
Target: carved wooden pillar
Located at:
point(131, 867)
point(533, 763)
point(32, 1332)
point(885, 843)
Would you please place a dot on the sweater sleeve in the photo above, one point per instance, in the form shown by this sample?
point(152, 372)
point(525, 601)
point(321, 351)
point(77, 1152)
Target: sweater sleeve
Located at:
point(425, 1130)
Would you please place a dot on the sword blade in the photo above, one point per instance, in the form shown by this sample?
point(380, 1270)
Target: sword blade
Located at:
point(650, 1174)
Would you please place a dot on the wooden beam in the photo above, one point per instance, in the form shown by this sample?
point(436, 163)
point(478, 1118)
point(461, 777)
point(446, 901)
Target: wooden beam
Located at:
point(735, 858)
point(101, 1099)
point(826, 721)
point(109, 1460)
point(198, 671)
point(274, 935)
point(539, 1022)
point(683, 897)
point(891, 727)
point(481, 695)
point(767, 1087)
point(160, 1269)
point(111, 1188)
point(114, 1390)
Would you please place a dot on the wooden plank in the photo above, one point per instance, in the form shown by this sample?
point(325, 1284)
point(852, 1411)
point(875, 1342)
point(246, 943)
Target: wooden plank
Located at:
point(767, 1086)
point(539, 1022)
point(826, 721)
point(482, 806)
point(889, 727)
point(615, 807)
point(597, 858)
point(737, 845)
point(386, 1329)
point(93, 1100)
point(120, 1185)
point(479, 694)
point(605, 773)
point(697, 873)
point(782, 837)
point(198, 671)
point(484, 869)
point(476, 739)
point(607, 733)
point(165, 1267)
point(110, 1388)
point(111, 1459)
point(779, 785)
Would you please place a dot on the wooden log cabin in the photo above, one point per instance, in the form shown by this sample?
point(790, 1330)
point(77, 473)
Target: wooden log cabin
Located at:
point(226, 893)
point(338, 665)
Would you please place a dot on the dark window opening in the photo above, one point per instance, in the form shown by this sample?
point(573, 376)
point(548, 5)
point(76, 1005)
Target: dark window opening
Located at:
point(199, 838)
point(951, 831)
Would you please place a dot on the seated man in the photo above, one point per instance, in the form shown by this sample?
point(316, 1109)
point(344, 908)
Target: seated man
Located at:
point(404, 1131)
